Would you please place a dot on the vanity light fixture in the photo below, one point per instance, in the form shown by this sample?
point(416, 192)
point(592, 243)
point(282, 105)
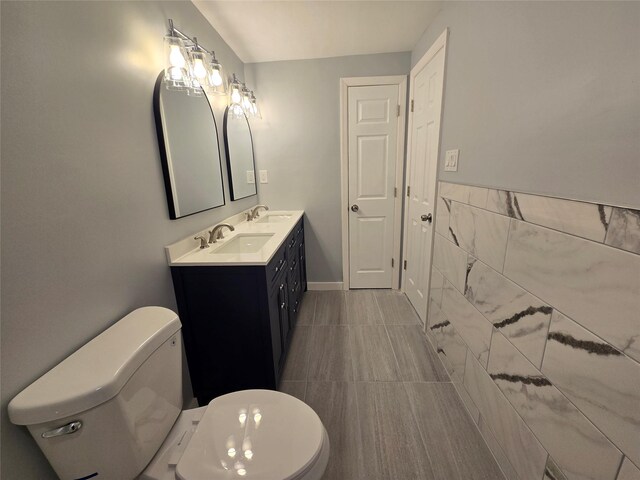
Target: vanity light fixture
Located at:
point(191, 67)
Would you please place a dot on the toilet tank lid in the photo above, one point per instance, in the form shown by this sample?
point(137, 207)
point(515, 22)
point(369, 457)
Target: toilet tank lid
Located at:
point(97, 371)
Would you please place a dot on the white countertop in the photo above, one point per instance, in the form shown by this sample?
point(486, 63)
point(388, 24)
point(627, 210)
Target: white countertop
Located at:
point(186, 252)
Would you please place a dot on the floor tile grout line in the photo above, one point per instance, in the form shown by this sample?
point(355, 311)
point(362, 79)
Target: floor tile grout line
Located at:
point(422, 436)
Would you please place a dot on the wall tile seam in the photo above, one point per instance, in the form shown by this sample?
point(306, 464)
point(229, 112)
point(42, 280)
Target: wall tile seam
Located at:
point(506, 245)
point(495, 331)
point(499, 392)
point(433, 267)
point(542, 300)
point(498, 189)
point(622, 463)
point(447, 278)
point(561, 393)
point(623, 354)
point(493, 327)
point(477, 427)
point(501, 450)
point(603, 242)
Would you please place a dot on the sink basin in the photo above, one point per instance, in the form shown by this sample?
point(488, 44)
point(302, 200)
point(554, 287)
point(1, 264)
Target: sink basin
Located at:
point(275, 218)
point(244, 243)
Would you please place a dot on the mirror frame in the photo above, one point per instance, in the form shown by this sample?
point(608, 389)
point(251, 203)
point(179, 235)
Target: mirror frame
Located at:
point(163, 152)
point(226, 151)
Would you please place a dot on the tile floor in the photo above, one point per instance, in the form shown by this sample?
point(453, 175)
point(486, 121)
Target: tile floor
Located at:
point(362, 362)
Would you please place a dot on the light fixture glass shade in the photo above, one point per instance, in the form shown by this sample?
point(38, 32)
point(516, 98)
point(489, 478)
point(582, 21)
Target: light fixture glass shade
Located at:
point(246, 100)
point(255, 110)
point(217, 78)
point(177, 67)
point(235, 99)
point(199, 70)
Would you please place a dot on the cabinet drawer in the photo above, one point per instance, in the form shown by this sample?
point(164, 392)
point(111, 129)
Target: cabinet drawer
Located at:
point(277, 264)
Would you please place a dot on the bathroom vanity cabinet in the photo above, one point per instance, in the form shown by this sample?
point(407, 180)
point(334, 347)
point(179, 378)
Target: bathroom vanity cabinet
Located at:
point(237, 320)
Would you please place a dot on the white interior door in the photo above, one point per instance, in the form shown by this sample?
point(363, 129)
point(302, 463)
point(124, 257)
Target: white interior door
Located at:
point(372, 137)
point(424, 128)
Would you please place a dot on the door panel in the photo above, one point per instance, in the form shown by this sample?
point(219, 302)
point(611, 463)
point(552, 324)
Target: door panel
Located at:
point(423, 159)
point(372, 130)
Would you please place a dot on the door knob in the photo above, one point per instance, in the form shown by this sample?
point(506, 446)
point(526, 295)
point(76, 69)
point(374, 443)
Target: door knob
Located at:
point(426, 218)
point(355, 208)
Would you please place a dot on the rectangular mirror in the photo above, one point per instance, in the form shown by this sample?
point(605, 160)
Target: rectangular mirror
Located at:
point(189, 150)
point(239, 148)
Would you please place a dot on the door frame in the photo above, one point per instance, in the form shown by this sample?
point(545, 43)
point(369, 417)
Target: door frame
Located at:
point(439, 44)
point(345, 83)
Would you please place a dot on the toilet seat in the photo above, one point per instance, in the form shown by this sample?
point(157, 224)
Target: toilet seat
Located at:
point(253, 434)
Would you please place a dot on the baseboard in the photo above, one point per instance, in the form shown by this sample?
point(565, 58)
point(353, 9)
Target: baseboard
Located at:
point(324, 285)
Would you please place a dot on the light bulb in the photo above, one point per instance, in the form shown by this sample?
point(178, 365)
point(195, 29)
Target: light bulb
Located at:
point(235, 95)
point(216, 78)
point(175, 57)
point(199, 69)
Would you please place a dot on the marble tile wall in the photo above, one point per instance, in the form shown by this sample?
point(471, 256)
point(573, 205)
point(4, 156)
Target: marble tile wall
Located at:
point(535, 312)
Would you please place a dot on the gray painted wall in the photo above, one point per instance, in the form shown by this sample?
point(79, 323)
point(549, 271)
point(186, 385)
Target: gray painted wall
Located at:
point(84, 213)
point(298, 142)
point(543, 97)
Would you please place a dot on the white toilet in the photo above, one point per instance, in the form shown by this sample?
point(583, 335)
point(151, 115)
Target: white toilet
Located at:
point(112, 410)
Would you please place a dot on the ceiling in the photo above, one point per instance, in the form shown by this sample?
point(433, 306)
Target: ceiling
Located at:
point(265, 31)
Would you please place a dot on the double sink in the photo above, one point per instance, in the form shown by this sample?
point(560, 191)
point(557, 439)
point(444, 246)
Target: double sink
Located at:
point(251, 243)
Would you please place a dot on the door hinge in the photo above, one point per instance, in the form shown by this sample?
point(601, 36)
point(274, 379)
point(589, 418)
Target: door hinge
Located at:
point(405, 264)
point(412, 105)
point(392, 263)
point(408, 190)
point(395, 192)
point(398, 110)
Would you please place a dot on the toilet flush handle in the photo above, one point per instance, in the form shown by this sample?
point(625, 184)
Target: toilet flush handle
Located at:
point(72, 427)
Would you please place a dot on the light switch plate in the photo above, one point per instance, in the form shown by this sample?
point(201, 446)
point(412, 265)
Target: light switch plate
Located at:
point(451, 160)
point(251, 176)
point(263, 176)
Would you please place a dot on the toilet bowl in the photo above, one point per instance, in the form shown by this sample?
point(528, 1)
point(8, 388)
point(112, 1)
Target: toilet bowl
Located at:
point(242, 435)
point(112, 410)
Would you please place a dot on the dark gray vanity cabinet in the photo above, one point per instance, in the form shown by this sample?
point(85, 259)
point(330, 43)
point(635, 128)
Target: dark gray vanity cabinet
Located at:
point(237, 321)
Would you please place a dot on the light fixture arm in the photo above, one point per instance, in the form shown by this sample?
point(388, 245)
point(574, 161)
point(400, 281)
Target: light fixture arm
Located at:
point(175, 32)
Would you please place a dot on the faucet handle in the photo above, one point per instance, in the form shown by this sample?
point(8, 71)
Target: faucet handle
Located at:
point(203, 241)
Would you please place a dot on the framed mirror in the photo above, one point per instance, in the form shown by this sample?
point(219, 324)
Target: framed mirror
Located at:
point(238, 145)
point(189, 151)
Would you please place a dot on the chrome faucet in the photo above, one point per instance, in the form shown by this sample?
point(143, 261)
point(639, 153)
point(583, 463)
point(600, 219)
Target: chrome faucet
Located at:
point(203, 241)
point(216, 233)
point(254, 212)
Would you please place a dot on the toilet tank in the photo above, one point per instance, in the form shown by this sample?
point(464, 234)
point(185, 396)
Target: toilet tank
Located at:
point(104, 411)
